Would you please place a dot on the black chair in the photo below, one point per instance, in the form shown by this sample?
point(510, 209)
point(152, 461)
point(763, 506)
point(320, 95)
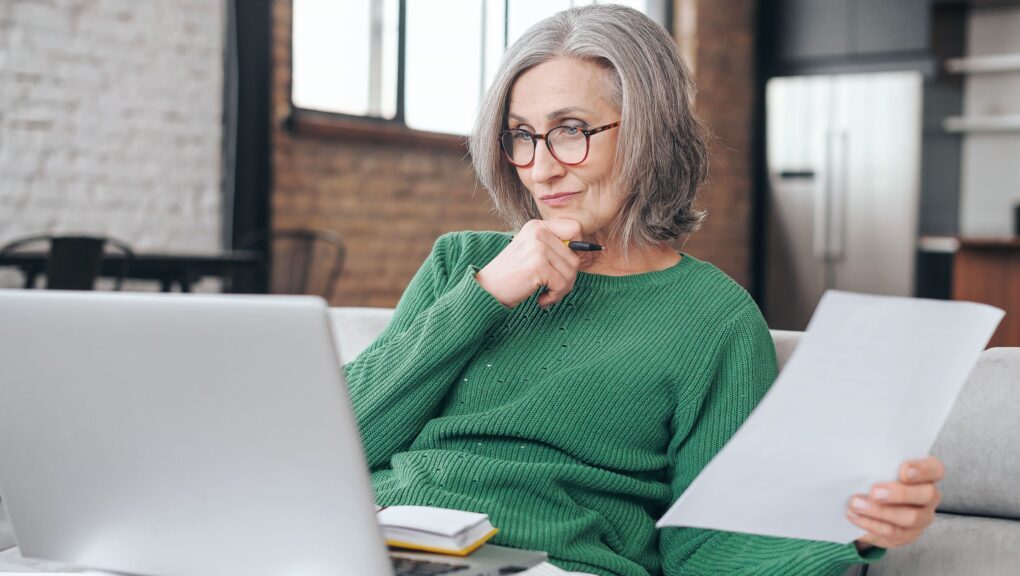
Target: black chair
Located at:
point(72, 262)
point(302, 261)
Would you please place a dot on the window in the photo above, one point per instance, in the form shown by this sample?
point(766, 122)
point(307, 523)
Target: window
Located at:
point(421, 63)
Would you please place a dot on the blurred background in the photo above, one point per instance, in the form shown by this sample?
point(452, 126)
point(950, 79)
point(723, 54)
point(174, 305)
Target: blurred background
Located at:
point(318, 146)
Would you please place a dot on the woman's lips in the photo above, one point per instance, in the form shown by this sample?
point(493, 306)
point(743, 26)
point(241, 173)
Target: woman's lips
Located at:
point(560, 199)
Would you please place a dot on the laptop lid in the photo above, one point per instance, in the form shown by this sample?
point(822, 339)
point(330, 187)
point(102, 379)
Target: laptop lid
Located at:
point(181, 434)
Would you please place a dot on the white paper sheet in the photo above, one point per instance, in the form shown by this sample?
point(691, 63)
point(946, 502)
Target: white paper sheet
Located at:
point(869, 386)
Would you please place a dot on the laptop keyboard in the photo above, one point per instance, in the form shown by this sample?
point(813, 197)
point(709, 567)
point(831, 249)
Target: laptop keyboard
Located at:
point(414, 567)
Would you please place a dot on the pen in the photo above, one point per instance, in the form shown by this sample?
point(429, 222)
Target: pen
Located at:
point(582, 246)
point(578, 246)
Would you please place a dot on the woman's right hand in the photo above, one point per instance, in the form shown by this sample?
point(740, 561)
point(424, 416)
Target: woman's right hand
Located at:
point(536, 257)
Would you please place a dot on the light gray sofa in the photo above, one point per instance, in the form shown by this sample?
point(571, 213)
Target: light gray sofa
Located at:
point(977, 530)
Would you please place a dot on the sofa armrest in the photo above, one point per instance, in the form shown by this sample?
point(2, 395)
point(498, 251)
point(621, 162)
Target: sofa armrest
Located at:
point(355, 328)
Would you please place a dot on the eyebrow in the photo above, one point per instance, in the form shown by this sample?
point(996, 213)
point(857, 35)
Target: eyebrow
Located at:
point(555, 113)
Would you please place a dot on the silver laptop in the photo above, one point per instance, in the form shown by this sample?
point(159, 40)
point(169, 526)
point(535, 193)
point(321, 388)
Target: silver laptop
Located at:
point(170, 435)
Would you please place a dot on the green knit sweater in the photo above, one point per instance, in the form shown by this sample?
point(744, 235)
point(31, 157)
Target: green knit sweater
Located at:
point(576, 427)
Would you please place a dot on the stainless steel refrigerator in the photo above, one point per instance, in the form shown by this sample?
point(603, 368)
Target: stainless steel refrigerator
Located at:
point(843, 157)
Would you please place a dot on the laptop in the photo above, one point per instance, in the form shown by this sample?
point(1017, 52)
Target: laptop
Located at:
point(169, 435)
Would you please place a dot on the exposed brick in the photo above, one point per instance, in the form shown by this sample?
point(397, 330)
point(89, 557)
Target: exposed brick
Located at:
point(724, 63)
point(384, 200)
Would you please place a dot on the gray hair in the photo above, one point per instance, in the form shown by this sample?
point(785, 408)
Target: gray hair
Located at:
point(661, 154)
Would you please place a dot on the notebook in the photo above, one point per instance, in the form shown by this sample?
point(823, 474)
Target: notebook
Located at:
point(440, 530)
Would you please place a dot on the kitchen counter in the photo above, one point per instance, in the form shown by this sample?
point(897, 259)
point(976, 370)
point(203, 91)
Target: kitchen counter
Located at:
point(951, 244)
point(988, 270)
point(991, 242)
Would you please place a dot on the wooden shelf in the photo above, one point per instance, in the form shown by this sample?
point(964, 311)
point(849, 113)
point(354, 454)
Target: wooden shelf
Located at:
point(1003, 123)
point(984, 64)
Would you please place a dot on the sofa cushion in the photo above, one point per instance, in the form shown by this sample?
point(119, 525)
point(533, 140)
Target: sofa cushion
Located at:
point(979, 439)
point(979, 443)
point(355, 328)
point(785, 342)
point(956, 545)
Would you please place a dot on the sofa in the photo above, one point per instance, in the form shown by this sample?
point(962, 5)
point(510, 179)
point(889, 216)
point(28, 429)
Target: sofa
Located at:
point(977, 528)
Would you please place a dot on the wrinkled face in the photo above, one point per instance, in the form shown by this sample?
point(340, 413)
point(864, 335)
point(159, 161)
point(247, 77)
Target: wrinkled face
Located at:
point(568, 92)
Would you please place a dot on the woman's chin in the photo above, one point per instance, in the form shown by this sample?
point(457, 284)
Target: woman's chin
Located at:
point(571, 212)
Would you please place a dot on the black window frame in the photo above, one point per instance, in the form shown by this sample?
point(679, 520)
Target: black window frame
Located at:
point(323, 123)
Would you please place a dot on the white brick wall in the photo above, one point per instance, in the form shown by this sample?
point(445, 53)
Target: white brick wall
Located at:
point(111, 121)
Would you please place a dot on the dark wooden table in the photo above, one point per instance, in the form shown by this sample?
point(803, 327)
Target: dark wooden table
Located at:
point(166, 268)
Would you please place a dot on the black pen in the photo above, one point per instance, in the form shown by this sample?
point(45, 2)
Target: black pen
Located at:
point(577, 246)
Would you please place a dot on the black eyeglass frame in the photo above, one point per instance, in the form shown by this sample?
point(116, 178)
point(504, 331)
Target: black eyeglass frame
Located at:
point(588, 133)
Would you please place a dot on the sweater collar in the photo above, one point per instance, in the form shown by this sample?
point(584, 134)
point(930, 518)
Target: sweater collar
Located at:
point(630, 281)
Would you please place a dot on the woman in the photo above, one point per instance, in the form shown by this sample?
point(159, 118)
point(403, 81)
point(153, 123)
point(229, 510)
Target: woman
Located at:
point(573, 397)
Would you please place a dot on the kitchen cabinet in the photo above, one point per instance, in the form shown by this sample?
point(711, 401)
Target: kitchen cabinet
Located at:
point(813, 29)
point(988, 270)
point(851, 29)
point(885, 27)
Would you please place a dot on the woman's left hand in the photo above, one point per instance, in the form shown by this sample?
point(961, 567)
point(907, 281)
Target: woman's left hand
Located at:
point(896, 513)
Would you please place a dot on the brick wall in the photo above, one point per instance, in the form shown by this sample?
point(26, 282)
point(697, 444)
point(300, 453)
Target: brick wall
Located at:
point(111, 120)
point(391, 201)
point(723, 59)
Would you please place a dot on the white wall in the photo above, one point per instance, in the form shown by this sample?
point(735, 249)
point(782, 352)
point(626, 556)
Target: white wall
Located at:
point(111, 120)
point(991, 160)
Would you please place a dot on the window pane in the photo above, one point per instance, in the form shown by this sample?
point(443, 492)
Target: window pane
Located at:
point(639, 5)
point(345, 56)
point(495, 38)
point(525, 13)
point(444, 64)
point(390, 46)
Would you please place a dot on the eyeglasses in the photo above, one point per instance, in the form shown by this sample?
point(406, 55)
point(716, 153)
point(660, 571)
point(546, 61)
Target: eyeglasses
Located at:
point(567, 144)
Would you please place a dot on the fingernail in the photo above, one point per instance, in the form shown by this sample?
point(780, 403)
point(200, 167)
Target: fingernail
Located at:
point(859, 503)
point(852, 514)
point(912, 473)
point(880, 494)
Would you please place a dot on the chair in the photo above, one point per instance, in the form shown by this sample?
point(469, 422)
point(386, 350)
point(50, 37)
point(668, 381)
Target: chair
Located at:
point(301, 261)
point(73, 262)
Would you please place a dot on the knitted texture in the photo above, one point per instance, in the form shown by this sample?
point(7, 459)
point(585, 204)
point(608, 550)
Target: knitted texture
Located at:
point(576, 427)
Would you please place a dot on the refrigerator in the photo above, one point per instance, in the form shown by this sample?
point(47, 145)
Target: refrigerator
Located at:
point(843, 156)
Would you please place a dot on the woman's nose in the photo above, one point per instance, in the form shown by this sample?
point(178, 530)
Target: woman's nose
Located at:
point(545, 167)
